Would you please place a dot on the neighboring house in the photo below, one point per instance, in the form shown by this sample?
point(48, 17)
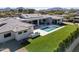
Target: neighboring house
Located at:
point(12, 28)
point(76, 19)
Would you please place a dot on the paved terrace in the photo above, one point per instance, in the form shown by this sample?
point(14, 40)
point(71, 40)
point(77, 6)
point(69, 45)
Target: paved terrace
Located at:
point(43, 33)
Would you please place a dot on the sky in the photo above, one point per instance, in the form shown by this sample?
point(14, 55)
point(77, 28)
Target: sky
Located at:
point(39, 4)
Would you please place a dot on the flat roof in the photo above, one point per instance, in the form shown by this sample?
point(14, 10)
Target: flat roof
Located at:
point(31, 17)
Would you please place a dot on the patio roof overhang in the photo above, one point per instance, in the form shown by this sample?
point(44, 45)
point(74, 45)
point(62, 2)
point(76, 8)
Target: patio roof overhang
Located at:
point(32, 19)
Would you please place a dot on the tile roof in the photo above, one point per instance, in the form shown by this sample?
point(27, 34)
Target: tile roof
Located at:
point(12, 24)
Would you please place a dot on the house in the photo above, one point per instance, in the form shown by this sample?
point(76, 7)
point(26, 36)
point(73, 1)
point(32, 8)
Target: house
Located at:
point(76, 19)
point(21, 28)
point(38, 19)
point(14, 29)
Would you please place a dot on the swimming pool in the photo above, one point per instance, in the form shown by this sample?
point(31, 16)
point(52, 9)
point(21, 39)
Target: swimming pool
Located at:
point(50, 27)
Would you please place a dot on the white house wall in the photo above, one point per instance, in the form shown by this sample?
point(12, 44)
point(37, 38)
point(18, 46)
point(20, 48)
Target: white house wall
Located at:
point(2, 39)
point(15, 35)
point(23, 35)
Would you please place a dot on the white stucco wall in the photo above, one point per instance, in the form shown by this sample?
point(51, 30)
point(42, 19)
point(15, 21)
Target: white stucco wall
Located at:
point(49, 20)
point(60, 21)
point(23, 35)
point(2, 39)
point(15, 35)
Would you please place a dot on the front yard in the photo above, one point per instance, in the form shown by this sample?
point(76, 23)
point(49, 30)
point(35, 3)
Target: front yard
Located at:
point(51, 41)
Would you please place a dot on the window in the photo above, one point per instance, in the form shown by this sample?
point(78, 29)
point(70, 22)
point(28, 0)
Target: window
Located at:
point(2, 24)
point(25, 31)
point(19, 32)
point(7, 35)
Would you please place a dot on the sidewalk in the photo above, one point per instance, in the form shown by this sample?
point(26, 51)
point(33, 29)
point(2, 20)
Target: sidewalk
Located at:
point(73, 45)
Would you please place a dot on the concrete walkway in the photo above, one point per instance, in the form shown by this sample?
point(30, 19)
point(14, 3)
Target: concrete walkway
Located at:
point(68, 23)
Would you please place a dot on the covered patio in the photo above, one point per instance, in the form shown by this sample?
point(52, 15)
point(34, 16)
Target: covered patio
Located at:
point(40, 20)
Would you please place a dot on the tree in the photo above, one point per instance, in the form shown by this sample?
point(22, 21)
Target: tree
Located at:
point(20, 9)
point(43, 11)
point(31, 11)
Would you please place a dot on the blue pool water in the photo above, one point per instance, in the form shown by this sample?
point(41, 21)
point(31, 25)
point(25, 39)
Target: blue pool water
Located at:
point(50, 28)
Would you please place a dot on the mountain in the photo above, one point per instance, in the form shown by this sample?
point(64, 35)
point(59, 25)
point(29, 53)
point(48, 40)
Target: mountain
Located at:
point(57, 8)
point(20, 8)
point(7, 9)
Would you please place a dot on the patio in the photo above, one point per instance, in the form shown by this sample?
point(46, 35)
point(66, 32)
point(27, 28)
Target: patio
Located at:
point(43, 32)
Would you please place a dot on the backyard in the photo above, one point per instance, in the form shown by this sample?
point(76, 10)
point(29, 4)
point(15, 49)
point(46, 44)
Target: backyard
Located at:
point(51, 41)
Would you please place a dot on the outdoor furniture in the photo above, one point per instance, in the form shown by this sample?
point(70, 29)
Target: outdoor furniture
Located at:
point(34, 35)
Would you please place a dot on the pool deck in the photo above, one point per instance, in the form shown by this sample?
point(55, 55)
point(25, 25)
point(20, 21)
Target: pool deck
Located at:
point(43, 33)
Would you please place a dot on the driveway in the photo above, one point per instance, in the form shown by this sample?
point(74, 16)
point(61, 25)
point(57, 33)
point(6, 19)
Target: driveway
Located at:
point(11, 46)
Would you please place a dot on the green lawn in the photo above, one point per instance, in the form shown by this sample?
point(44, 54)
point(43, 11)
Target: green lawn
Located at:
point(51, 41)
